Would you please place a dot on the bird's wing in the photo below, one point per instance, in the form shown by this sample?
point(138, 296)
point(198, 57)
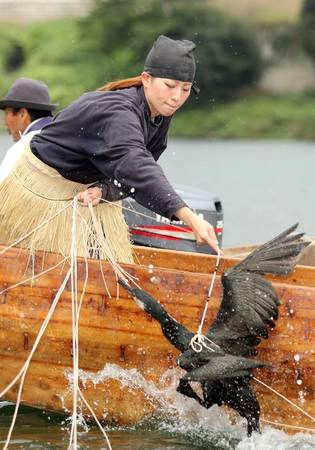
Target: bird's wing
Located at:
point(249, 303)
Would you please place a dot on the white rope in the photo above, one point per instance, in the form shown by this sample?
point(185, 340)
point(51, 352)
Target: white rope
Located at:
point(285, 425)
point(40, 333)
point(18, 400)
point(118, 270)
point(96, 419)
point(199, 341)
point(76, 307)
point(72, 274)
point(286, 399)
point(137, 213)
point(75, 346)
point(90, 231)
point(23, 370)
point(33, 277)
point(84, 287)
point(104, 250)
point(31, 257)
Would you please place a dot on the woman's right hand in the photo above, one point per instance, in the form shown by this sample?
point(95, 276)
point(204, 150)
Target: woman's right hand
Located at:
point(92, 195)
point(203, 230)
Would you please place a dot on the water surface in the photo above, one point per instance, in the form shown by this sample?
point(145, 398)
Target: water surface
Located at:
point(265, 186)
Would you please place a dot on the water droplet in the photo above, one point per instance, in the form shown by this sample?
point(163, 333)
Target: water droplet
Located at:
point(301, 396)
point(155, 280)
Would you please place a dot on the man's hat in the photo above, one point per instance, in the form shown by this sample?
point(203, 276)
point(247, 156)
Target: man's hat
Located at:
point(174, 59)
point(28, 93)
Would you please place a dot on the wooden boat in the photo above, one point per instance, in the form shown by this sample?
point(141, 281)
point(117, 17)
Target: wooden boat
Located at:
point(115, 331)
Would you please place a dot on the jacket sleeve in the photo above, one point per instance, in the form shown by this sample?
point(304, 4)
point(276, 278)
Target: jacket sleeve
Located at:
point(130, 167)
point(110, 192)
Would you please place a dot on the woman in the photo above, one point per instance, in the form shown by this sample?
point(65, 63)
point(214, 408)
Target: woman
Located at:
point(111, 138)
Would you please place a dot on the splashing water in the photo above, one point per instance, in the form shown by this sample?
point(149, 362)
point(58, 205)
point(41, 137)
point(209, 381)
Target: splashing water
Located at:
point(183, 418)
point(179, 423)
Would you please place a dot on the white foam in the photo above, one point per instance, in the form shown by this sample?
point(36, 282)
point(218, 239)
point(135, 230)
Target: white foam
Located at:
point(181, 415)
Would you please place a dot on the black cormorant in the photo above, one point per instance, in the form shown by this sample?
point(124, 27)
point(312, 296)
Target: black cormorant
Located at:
point(249, 306)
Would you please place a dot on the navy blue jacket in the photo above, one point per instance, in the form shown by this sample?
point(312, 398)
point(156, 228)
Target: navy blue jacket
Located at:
point(38, 124)
point(109, 136)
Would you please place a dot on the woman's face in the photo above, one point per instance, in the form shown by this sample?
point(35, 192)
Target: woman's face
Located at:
point(164, 96)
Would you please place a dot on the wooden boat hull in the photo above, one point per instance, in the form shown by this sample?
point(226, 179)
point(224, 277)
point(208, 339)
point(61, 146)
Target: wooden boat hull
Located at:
point(115, 333)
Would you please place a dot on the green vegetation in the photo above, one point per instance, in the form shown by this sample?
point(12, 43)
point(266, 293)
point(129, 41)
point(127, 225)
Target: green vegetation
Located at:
point(261, 117)
point(111, 43)
point(51, 52)
point(76, 55)
point(308, 27)
point(227, 55)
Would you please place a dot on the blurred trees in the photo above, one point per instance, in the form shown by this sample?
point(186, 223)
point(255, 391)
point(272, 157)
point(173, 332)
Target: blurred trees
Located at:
point(120, 33)
point(76, 55)
point(308, 27)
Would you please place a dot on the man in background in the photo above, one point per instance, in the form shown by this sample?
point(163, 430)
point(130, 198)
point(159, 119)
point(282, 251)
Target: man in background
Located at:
point(27, 109)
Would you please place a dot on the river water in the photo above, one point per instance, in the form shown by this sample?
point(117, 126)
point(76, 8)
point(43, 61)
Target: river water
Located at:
point(264, 187)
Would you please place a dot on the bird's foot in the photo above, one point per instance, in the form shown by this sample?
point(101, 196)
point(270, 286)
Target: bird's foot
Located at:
point(184, 388)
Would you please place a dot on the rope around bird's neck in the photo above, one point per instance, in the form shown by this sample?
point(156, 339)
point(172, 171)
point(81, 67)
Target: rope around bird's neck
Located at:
point(200, 341)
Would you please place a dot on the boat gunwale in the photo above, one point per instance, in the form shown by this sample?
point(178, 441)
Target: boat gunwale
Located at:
point(197, 263)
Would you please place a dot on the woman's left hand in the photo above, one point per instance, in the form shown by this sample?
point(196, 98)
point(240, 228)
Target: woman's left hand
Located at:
point(92, 195)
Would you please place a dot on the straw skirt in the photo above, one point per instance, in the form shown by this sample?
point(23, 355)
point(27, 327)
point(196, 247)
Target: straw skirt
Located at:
point(36, 204)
